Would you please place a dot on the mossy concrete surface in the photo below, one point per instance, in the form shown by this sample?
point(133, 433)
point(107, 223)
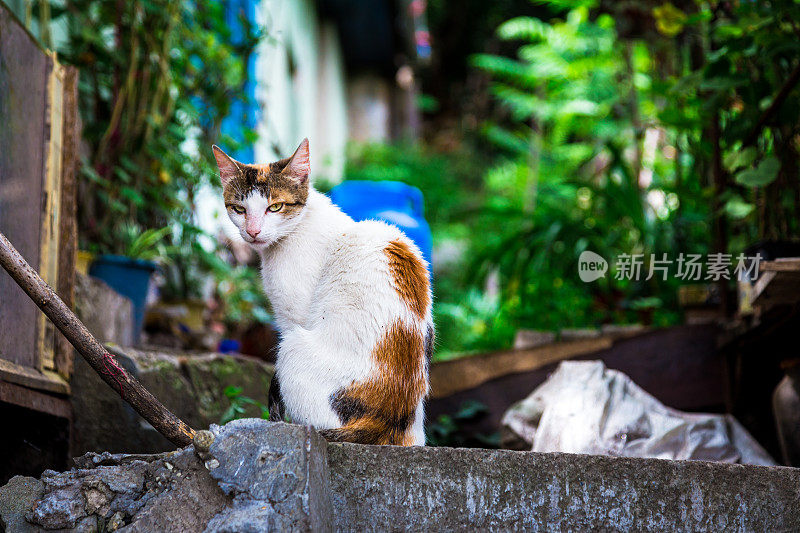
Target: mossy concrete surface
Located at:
point(258, 476)
point(190, 385)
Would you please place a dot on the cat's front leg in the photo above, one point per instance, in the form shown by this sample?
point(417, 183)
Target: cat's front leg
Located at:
point(308, 372)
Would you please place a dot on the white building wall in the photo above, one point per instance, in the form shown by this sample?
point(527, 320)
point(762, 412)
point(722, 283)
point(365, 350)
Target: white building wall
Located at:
point(370, 110)
point(331, 119)
point(301, 88)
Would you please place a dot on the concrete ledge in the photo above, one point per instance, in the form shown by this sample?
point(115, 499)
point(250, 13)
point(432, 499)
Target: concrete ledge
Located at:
point(455, 489)
point(261, 476)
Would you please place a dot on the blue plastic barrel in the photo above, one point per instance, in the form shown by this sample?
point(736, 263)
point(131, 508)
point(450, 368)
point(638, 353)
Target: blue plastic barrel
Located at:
point(130, 278)
point(391, 201)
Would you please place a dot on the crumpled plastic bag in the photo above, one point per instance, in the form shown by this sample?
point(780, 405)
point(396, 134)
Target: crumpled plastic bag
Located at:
point(583, 407)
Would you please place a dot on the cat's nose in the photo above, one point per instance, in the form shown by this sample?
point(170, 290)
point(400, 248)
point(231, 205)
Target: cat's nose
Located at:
point(253, 232)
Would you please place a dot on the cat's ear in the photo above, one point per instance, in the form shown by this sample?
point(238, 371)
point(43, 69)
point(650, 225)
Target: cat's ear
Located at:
point(299, 165)
point(228, 167)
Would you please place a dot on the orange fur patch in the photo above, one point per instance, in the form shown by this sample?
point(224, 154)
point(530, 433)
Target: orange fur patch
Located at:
point(382, 409)
point(410, 277)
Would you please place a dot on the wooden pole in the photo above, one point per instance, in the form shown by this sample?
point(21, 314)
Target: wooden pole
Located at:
point(165, 422)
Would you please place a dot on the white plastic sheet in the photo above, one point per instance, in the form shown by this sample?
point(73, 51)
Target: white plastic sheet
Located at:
point(583, 407)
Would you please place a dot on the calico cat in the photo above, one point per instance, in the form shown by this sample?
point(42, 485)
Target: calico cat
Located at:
point(352, 302)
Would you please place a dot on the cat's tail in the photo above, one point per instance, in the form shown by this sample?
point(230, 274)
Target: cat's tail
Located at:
point(369, 429)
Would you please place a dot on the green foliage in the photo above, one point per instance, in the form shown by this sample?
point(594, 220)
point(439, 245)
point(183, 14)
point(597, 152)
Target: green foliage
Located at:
point(738, 68)
point(609, 146)
point(762, 174)
point(240, 404)
point(634, 144)
point(157, 77)
point(449, 180)
point(241, 296)
point(140, 244)
point(192, 264)
point(184, 268)
point(575, 97)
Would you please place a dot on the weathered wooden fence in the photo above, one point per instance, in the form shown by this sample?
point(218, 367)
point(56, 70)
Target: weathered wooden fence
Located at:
point(38, 153)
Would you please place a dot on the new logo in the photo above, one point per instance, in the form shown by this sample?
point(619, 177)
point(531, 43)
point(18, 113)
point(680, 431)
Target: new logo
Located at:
point(591, 266)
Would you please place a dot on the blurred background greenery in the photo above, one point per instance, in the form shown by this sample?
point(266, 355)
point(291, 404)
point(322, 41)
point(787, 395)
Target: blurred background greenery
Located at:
point(546, 128)
point(616, 127)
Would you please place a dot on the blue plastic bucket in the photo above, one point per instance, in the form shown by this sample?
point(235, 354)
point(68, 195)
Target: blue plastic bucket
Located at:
point(391, 201)
point(130, 278)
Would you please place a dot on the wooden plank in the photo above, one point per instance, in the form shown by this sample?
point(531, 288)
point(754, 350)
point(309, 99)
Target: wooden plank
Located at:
point(23, 84)
point(68, 230)
point(784, 264)
point(449, 377)
point(32, 378)
point(35, 400)
point(48, 263)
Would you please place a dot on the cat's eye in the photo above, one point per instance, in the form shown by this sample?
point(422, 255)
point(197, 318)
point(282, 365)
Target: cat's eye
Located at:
point(275, 207)
point(239, 210)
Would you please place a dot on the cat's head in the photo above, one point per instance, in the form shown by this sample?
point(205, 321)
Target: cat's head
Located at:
point(265, 202)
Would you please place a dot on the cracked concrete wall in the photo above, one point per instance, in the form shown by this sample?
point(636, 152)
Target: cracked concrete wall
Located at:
point(261, 476)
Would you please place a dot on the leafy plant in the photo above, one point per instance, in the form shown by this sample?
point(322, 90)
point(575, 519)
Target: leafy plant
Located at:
point(193, 267)
point(678, 141)
point(157, 79)
point(140, 244)
point(610, 138)
point(574, 99)
point(736, 101)
point(241, 296)
point(183, 270)
point(239, 405)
